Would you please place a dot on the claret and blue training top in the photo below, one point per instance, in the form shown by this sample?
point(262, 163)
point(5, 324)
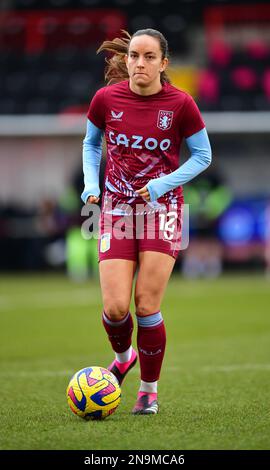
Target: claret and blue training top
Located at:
point(143, 138)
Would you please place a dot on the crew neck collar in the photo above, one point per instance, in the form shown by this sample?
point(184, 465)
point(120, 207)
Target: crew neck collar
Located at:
point(145, 96)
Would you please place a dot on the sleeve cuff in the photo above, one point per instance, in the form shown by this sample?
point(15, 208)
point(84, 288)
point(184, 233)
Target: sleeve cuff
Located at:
point(153, 195)
point(85, 195)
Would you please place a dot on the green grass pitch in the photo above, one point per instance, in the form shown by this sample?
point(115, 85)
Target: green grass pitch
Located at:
point(215, 384)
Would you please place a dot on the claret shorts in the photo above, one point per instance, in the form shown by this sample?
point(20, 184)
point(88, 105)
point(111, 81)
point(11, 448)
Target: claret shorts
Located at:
point(126, 231)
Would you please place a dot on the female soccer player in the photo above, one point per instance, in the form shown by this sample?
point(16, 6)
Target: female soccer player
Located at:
point(144, 119)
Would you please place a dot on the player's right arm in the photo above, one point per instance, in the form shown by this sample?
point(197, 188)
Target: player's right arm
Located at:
point(92, 153)
point(199, 160)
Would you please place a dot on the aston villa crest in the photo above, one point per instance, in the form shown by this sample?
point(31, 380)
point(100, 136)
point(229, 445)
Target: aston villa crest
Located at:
point(164, 121)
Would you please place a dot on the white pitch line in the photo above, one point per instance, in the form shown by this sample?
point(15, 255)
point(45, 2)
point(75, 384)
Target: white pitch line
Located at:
point(235, 367)
point(88, 295)
point(54, 299)
point(39, 373)
point(68, 372)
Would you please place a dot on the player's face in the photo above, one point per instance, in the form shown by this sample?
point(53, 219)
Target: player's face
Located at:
point(144, 62)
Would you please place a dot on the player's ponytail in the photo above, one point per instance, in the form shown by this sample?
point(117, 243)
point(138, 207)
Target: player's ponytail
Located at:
point(116, 70)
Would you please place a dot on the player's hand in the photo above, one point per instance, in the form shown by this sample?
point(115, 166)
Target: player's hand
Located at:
point(143, 192)
point(92, 200)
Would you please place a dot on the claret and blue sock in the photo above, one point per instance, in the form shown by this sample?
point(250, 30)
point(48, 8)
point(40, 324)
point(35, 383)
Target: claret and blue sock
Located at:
point(151, 342)
point(120, 335)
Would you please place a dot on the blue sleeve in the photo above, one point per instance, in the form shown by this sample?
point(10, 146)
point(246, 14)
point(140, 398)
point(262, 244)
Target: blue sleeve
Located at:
point(200, 159)
point(92, 153)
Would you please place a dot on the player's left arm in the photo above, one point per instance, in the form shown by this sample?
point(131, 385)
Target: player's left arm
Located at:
point(199, 160)
point(92, 153)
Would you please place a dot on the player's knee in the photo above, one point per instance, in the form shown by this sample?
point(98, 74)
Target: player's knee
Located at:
point(143, 311)
point(116, 311)
point(145, 305)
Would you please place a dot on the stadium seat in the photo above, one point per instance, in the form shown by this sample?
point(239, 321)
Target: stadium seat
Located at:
point(27, 4)
point(155, 2)
point(16, 83)
point(261, 102)
point(173, 24)
point(78, 26)
point(69, 105)
point(174, 27)
point(230, 102)
point(40, 106)
point(64, 57)
point(31, 61)
point(12, 33)
point(48, 25)
point(220, 54)
point(59, 3)
point(110, 22)
point(209, 86)
point(91, 3)
point(142, 21)
point(266, 84)
point(258, 49)
point(53, 31)
point(7, 106)
point(244, 78)
point(49, 84)
point(79, 84)
point(74, 109)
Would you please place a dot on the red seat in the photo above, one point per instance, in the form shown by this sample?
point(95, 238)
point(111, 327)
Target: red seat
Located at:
point(220, 54)
point(244, 78)
point(257, 49)
point(266, 83)
point(208, 86)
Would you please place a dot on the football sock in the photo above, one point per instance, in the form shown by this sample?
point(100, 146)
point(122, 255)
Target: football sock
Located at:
point(124, 356)
point(148, 387)
point(119, 334)
point(124, 366)
point(151, 341)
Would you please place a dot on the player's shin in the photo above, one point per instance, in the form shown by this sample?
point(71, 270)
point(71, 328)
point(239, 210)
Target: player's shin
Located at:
point(119, 332)
point(151, 340)
point(120, 336)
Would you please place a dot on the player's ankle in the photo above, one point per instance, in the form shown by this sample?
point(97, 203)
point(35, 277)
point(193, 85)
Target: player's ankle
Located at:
point(148, 387)
point(124, 356)
point(151, 396)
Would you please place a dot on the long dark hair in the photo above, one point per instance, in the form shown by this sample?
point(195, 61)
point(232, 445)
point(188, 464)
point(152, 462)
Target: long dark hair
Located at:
point(116, 70)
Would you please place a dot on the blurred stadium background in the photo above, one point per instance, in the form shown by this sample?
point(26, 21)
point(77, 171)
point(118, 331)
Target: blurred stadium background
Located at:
point(49, 70)
point(220, 53)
